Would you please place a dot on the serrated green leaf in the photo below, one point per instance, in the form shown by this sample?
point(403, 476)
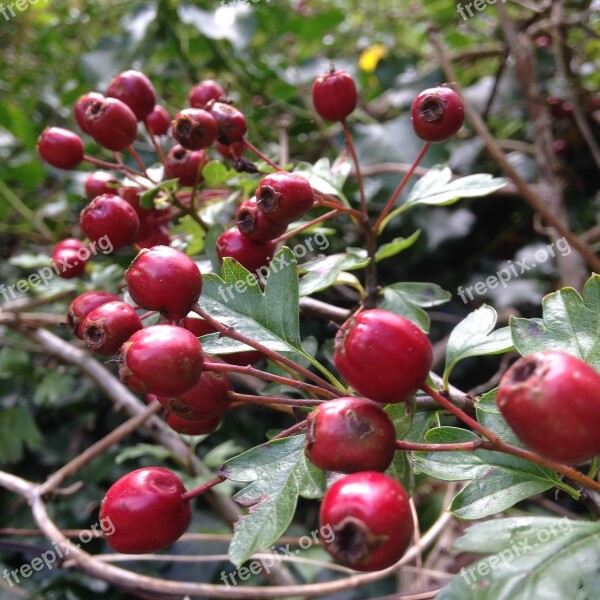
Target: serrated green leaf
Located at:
point(473, 336)
point(215, 173)
point(278, 473)
point(396, 246)
point(570, 323)
point(533, 557)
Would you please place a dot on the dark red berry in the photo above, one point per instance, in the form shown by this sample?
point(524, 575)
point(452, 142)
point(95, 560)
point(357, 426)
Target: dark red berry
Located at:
point(551, 400)
point(60, 148)
point(232, 152)
point(110, 217)
point(81, 107)
point(70, 258)
point(109, 326)
point(144, 511)
point(164, 279)
point(100, 182)
point(231, 122)
point(185, 165)
point(251, 255)
point(334, 95)
point(437, 114)
point(111, 123)
point(383, 356)
point(255, 224)
point(134, 89)
point(194, 128)
point(83, 305)
point(165, 360)
point(159, 237)
point(365, 521)
point(158, 121)
point(349, 435)
point(205, 91)
point(284, 196)
point(187, 427)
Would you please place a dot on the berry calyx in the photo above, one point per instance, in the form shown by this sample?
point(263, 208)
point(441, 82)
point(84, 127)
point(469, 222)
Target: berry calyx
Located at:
point(83, 305)
point(194, 128)
point(551, 401)
point(165, 360)
point(158, 121)
point(60, 147)
point(437, 114)
point(81, 106)
point(111, 123)
point(334, 95)
point(185, 165)
point(145, 510)
point(255, 224)
point(370, 519)
point(251, 255)
point(109, 326)
point(205, 91)
point(100, 182)
point(164, 279)
point(284, 196)
point(349, 435)
point(231, 122)
point(383, 356)
point(134, 89)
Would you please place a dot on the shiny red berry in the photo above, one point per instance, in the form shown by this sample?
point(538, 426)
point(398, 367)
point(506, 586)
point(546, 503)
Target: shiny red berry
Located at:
point(165, 360)
point(231, 122)
point(134, 89)
point(383, 356)
point(109, 326)
point(100, 182)
point(350, 435)
point(158, 121)
point(111, 123)
point(365, 521)
point(111, 218)
point(551, 400)
point(437, 114)
point(70, 258)
point(83, 305)
point(185, 165)
point(164, 279)
point(81, 107)
point(284, 197)
point(60, 148)
point(251, 255)
point(187, 427)
point(194, 128)
point(205, 91)
point(144, 511)
point(255, 224)
point(334, 95)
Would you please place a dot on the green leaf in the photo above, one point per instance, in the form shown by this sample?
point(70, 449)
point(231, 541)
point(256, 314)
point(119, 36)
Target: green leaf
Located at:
point(396, 246)
point(147, 198)
point(531, 557)
point(17, 430)
point(278, 473)
point(190, 228)
point(325, 177)
point(215, 173)
point(141, 451)
point(473, 336)
point(570, 323)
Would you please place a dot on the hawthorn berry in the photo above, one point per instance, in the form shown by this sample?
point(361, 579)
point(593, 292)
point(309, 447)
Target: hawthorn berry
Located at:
point(383, 356)
point(194, 128)
point(60, 147)
point(165, 360)
point(185, 165)
point(83, 305)
point(437, 114)
point(370, 517)
point(349, 435)
point(231, 152)
point(109, 326)
point(251, 255)
point(205, 91)
point(164, 279)
point(231, 122)
point(187, 427)
point(81, 106)
point(334, 95)
point(111, 123)
point(134, 89)
point(160, 236)
point(551, 401)
point(158, 121)
point(110, 216)
point(255, 224)
point(146, 511)
point(70, 258)
point(100, 182)
point(284, 196)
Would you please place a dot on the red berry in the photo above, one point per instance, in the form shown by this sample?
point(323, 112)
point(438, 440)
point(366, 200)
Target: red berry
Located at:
point(100, 182)
point(334, 95)
point(165, 360)
point(194, 128)
point(188, 427)
point(157, 235)
point(158, 121)
point(110, 217)
point(134, 89)
point(83, 305)
point(185, 165)
point(209, 398)
point(368, 521)
point(144, 511)
point(231, 122)
point(552, 402)
point(109, 326)
point(255, 224)
point(111, 123)
point(284, 196)
point(231, 152)
point(81, 107)
point(60, 148)
point(437, 114)
point(251, 255)
point(70, 258)
point(383, 356)
point(132, 195)
point(164, 279)
point(205, 91)
point(349, 435)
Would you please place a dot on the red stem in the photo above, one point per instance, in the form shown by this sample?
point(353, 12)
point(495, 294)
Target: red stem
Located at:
point(187, 496)
point(235, 397)
point(359, 177)
point(459, 446)
point(307, 225)
point(260, 155)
